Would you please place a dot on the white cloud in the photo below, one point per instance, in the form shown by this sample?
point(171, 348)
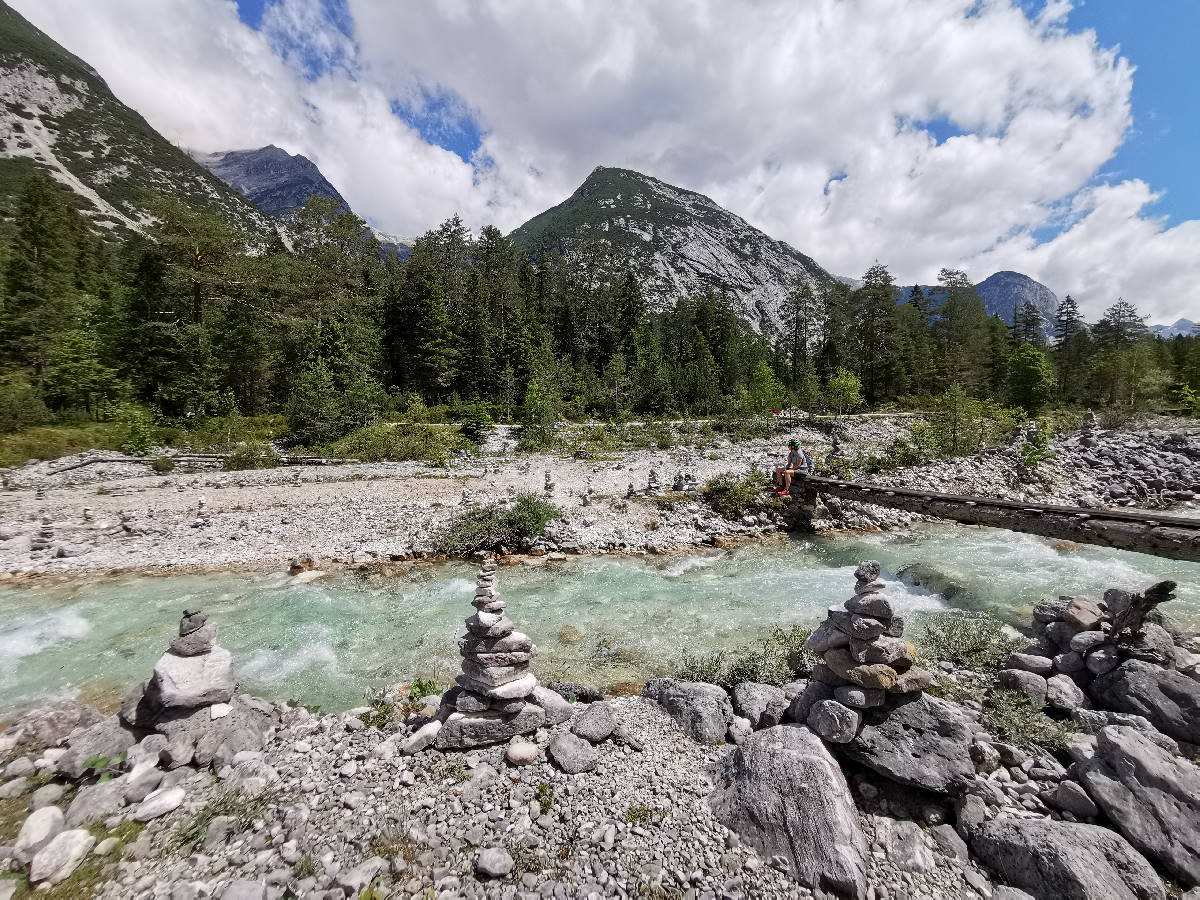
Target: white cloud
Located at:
point(758, 104)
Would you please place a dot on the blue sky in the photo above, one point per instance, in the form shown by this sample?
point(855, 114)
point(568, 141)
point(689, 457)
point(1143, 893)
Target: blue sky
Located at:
point(1163, 148)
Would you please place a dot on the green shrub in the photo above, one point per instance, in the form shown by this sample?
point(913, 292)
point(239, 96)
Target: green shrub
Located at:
point(972, 639)
point(494, 525)
point(733, 496)
point(21, 405)
point(1018, 720)
point(251, 456)
point(135, 425)
point(220, 434)
point(162, 464)
point(773, 659)
point(477, 422)
point(395, 443)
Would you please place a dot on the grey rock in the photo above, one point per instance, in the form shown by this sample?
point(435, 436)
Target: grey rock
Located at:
point(493, 862)
point(142, 781)
point(158, 803)
point(1069, 662)
point(20, 767)
point(1083, 614)
point(739, 729)
point(420, 739)
point(1064, 694)
point(522, 753)
point(1102, 659)
point(970, 813)
point(1071, 797)
point(784, 794)
point(763, 704)
point(874, 604)
point(1031, 685)
point(574, 692)
point(1065, 860)
point(1049, 610)
point(826, 637)
point(1087, 640)
point(813, 692)
point(191, 681)
point(14, 788)
point(1170, 700)
point(194, 643)
point(924, 742)
point(460, 732)
point(905, 844)
point(108, 739)
point(1061, 633)
point(950, 843)
point(96, 802)
point(39, 829)
point(47, 795)
point(1151, 795)
point(572, 754)
point(859, 698)
point(1039, 665)
point(244, 889)
point(834, 722)
point(51, 724)
point(594, 724)
point(558, 708)
point(702, 710)
point(1153, 645)
point(215, 742)
point(56, 861)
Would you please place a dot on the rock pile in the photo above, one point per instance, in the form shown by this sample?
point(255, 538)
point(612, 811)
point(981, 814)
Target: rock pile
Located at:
point(1119, 653)
point(653, 486)
point(44, 537)
point(864, 659)
point(497, 697)
point(194, 672)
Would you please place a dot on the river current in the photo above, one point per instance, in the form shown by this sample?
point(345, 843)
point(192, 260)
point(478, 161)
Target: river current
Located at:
point(598, 619)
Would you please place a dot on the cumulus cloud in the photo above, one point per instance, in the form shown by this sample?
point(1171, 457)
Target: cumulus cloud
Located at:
point(817, 122)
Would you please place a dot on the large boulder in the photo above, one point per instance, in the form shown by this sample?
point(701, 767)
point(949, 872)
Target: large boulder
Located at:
point(107, 740)
point(190, 681)
point(1065, 861)
point(1169, 699)
point(1151, 795)
point(784, 794)
point(702, 710)
point(51, 724)
point(248, 725)
point(925, 743)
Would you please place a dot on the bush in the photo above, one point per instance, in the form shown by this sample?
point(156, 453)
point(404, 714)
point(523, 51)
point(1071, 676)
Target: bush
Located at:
point(733, 496)
point(251, 456)
point(774, 659)
point(220, 434)
point(971, 639)
point(477, 423)
point(1018, 720)
point(136, 426)
point(21, 405)
point(162, 464)
point(395, 443)
point(495, 525)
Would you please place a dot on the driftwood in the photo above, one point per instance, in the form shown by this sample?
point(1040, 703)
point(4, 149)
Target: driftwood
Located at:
point(1129, 611)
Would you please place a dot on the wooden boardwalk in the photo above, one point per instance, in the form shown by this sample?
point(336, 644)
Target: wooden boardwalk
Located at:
point(1143, 531)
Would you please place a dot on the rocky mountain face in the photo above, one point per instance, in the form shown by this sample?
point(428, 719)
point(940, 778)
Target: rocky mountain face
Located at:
point(679, 242)
point(1002, 294)
point(1181, 328)
point(274, 180)
point(279, 183)
point(59, 115)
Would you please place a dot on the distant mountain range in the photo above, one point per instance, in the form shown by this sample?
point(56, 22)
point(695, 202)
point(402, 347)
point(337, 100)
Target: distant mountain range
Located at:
point(1002, 294)
point(59, 116)
point(1181, 328)
point(279, 183)
point(679, 242)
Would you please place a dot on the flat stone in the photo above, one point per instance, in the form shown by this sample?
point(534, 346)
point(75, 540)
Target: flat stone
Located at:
point(877, 676)
point(1086, 640)
point(159, 803)
point(1071, 797)
point(1083, 614)
point(784, 794)
point(1065, 860)
point(487, 625)
point(924, 742)
point(39, 829)
point(470, 702)
point(1028, 662)
point(873, 605)
point(894, 652)
point(572, 754)
point(594, 724)
point(96, 802)
point(911, 682)
point(197, 642)
point(513, 642)
point(511, 690)
point(494, 676)
point(826, 637)
point(421, 738)
point(499, 659)
point(1169, 699)
point(460, 732)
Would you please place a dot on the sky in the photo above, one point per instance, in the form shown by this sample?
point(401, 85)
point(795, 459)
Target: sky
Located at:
point(1049, 137)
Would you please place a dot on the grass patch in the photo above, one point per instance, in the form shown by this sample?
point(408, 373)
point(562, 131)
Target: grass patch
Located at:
point(242, 807)
point(1018, 720)
point(221, 434)
point(391, 842)
point(53, 441)
point(13, 811)
point(640, 814)
point(397, 443)
point(544, 794)
point(972, 639)
point(495, 525)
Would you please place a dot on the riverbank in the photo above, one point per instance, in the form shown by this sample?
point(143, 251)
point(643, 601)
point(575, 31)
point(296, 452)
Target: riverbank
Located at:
point(63, 518)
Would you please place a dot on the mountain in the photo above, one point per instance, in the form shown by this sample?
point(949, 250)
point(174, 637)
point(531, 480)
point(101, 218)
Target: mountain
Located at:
point(59, 115)
point(1002, 293)
point(1182, 328)
point(678, 241)
point(279, 183)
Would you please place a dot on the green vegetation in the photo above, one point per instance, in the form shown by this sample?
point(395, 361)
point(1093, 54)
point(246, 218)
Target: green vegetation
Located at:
point(377, 443)
point(544, 794)
point(1018, 720)
point(775, 659)
point(975, 640)
point(244, 808)
point(733, 496)
point(53, 441)
point(640, 814)
point(251, 456)
point(495, 525)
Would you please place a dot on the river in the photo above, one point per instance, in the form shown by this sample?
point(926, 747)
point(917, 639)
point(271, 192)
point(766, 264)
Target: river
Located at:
point(599, 619)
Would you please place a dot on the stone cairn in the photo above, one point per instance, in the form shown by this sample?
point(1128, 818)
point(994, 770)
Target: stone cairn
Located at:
point(495, 698)
point(87, 514)
point(193, 672)
point(865, 662)
point(40, 493)
point(653, 487)
point(587, 498)
point(45, 536)
point(679, 485)
point(549, 486)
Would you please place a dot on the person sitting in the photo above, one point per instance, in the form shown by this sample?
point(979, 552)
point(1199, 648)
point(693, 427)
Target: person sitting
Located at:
point(797, 461)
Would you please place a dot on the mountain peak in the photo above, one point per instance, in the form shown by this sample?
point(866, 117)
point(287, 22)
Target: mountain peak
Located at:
point(677, 241)
point(275, 181)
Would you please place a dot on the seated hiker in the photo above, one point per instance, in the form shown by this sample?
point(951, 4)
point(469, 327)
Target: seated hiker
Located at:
point(797, 461)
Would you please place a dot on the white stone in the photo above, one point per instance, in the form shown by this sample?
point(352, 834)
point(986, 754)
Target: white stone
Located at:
point(57, 860)
point(159, 803)
point(421, 738)
point(42, 826)
point(190, 681)
point(220, 710)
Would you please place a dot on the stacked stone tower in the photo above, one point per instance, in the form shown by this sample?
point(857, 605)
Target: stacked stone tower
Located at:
point(495, 698)
point(865, 662)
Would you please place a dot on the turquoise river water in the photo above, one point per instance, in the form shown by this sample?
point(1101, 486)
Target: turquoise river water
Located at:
point(329, 641)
